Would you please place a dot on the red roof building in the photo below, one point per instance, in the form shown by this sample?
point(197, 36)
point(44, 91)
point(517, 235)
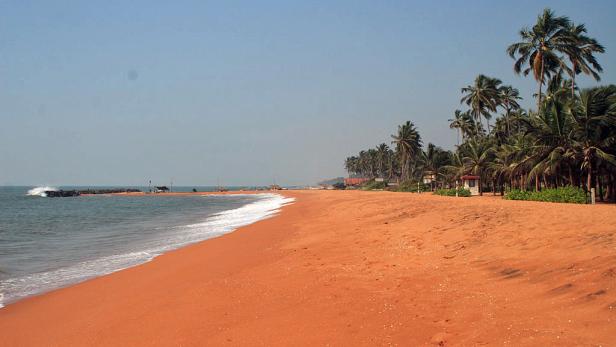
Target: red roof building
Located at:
point(355, 181)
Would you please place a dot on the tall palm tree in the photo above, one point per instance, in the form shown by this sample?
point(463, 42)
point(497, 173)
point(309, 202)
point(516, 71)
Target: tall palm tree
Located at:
point(382, 153)
point(457, 123)
point(482, 97)
point(552, 132)
point(580, 52)
point(433, 159)
point(476, 157)
point(595, 119)
point(456, 168)
point(540, 47)
point(408, 145)
point(508, 98)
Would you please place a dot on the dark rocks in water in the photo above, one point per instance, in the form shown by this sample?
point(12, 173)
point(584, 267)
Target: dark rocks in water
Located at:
point(69, 193)
point(109, 191)
point(61, 193)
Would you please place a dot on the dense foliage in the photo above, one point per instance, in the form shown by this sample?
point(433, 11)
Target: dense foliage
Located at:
point(412, 187)
point(452, 192)
point(568, 140)
point(374, 185)
point(561, 194)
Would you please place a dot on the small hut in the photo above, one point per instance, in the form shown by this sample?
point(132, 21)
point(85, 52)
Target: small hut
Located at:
point(429, 177)
point(471, 183)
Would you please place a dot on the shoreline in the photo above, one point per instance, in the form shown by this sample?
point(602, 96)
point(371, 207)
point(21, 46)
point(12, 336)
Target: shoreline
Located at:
point(265, 205)
point(356, 267)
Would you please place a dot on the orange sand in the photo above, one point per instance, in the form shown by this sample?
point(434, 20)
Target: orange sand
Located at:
point(356, 268)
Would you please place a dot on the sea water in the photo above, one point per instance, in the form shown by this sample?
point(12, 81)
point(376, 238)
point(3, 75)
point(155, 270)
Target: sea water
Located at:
point(47, 243)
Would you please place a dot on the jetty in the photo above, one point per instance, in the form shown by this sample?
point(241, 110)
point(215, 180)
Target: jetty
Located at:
point(78, 192)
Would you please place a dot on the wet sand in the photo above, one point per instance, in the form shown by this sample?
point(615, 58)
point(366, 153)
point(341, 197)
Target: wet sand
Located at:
point(356, 268)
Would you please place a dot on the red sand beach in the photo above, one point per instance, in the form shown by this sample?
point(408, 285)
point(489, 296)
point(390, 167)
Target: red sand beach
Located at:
point(356, 268)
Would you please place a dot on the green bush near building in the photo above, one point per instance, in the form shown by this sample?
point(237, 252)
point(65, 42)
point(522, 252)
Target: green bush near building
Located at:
point(568, 194)
point(412, 187)
point(452, 192)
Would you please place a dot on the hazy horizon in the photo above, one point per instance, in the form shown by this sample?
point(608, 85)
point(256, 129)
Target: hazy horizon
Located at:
point(245, 93)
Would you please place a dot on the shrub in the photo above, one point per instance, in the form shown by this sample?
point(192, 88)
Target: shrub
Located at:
point(566, 194)
point(452, 192)
point(372, 185)
point(410, 186)
point(339, 185)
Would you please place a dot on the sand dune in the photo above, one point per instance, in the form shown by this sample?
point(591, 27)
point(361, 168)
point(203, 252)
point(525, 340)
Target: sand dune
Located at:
point(357, 268)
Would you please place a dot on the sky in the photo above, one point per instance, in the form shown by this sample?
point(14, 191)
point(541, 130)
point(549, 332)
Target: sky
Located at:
point(245, 92)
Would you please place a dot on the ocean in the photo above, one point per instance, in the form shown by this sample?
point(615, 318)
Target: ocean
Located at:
point(48, 243)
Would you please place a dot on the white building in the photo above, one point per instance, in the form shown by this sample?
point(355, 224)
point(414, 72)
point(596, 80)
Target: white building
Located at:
point(471, 183)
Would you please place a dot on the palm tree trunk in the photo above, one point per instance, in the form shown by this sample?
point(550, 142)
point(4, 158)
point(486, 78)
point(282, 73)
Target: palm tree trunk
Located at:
point(507, 118)
point(480, 174)
point(613, 187)
point(589, 176)
point(573, 83)
point(540, 85)
point(600, 185)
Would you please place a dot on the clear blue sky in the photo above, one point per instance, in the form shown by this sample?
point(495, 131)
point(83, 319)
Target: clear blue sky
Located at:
point(115, 93)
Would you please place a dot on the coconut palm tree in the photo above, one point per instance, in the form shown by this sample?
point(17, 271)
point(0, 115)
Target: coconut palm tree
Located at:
point(382, 157)
point(456, 168)
point(433, 158)
point(594, 122)
point(508, 99)
point(482, 97)
point(456, 123)
point(580, 52)
point(540, 47)
point(408, 145)
point(476, 158)
point(551, 130)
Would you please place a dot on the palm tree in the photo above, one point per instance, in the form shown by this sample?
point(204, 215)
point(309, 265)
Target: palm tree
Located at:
point(382, 153)
point(540, 47)
point(482, 97)
point(508, 98)
point(595, 119)
point(408, 145)
point(433, 159)
point(351, 164)
point(503, 165)
point(476, 158)
point(552, 131)
point(456, 168)
point(580, 52)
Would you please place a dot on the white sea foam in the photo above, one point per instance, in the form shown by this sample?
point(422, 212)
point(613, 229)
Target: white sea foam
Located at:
point(218, 224)
point(40, 191)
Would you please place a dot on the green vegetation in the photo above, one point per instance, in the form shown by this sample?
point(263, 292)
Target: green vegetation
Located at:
point(568, 141)
point(452, 192)
point(339, 186)
point(412, 187)
point(374, 185)
point(561, 194)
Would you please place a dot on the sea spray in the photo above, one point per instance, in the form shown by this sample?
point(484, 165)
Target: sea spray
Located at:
point(41, 191)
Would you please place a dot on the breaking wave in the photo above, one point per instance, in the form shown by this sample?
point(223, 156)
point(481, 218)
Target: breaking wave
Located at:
point(218, 224)
point(40, 191)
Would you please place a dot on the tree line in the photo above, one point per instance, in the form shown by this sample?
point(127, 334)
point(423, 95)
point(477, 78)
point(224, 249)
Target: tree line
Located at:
point(568, 140)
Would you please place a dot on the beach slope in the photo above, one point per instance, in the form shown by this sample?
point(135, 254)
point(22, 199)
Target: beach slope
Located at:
point(356, 268)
